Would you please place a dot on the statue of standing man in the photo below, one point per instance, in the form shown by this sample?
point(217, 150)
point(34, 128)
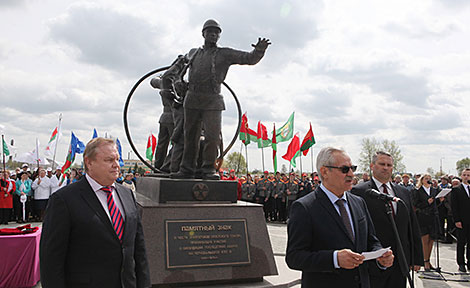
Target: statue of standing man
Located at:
point(203, 104)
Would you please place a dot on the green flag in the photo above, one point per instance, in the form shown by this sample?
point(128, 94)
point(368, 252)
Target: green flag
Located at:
point(286, 132)
point(5, 148)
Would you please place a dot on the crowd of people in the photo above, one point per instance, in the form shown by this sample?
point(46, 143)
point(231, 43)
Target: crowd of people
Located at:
point(423, 209)
point(435, 217)
point(24, 197)
point(37, 187)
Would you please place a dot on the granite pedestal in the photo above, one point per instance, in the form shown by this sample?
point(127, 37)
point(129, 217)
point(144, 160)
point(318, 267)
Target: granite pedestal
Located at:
point(196, 232)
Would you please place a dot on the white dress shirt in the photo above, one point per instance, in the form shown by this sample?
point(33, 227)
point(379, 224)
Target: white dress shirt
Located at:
point(389, 190)
point(103, 196)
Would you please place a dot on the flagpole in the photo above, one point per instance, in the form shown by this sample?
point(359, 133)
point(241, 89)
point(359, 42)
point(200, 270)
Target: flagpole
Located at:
point(262, 155)
point(246, 156)
point(37, 153)
point(56, 141)
point(311, 157)
point(300, 163)
point(239, 158)
point(3, 152)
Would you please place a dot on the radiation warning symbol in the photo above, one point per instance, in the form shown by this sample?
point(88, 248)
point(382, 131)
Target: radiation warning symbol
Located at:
point(200, 191)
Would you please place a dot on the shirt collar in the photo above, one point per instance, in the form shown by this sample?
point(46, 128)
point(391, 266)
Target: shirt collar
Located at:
point(333, 198)
point(95, 185)
point(379, 184)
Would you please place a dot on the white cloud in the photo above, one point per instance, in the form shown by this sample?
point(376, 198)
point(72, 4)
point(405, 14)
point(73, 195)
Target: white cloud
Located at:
point(394, 70)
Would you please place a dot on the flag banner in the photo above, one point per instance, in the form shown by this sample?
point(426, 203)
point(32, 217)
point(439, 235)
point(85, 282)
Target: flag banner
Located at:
point(274, 146)
point(262, 136)
point(118, 144)
point(246, 134)
point(308, 141)
point(151, 146)
point(76, 147)
point(95, 134)
point(50, 148)
point(6, 151)
point(293, 151)
point(286, 132)
point(30, 158)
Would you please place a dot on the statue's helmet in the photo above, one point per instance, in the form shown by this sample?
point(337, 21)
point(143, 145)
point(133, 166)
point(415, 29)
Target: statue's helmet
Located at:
point(211, 23)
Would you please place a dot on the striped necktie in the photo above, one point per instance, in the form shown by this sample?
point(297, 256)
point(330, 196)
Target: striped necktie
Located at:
point(116, 217)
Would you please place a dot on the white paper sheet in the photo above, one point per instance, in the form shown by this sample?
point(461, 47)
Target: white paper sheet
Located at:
point(375, 254)
point(443, 193)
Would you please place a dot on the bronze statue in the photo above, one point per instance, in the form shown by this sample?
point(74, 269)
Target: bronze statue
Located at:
point(203, 103)
point(171, 102)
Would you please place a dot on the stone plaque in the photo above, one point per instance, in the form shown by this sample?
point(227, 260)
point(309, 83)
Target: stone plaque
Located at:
point(203, 243)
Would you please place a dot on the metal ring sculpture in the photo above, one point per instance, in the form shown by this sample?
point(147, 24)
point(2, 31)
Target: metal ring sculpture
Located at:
point(126, 108)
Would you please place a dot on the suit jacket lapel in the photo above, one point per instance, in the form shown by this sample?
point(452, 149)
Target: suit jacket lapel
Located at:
point(398, 194)
point(92, 200)
point(326, 203)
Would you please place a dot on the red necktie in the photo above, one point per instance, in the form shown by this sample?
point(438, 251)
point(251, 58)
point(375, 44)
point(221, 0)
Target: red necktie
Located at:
point(386, 192)
point(116, 217)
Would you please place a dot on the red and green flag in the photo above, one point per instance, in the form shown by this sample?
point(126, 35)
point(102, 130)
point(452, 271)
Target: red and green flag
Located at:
point(286, 131)
point(308, 141)
point(246, 134)
point(293, 151)
point(274, 146)
point(151, 145)
point(76, 147)
point(262, 135)
point(50, 148)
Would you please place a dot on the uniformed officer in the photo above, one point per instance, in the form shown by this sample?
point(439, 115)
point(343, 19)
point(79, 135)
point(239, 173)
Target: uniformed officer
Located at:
point(263, 188)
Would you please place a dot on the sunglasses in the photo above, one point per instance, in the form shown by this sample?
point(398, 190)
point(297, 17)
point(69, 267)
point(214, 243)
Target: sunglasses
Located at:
point(344, 169)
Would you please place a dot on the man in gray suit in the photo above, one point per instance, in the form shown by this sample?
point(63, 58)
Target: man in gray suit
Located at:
point(92, 234)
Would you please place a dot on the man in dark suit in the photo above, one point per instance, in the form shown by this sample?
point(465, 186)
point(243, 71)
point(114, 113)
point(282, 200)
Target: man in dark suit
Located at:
point(92, 235)
point(382, 166)
point(460, 201)
point(329, 228)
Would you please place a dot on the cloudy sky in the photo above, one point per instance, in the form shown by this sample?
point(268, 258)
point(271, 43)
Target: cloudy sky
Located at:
point(395, 70)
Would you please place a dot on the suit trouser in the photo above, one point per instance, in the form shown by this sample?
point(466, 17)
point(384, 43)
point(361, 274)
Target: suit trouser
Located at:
point(463, 239)
point(194, 121)
point(164, 135)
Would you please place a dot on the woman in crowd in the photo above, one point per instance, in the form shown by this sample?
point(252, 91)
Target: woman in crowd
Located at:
point(129, 183)
point(73, 176)
point(7, 188)
point(23, 187)
point(42, 191)
point(426, 211)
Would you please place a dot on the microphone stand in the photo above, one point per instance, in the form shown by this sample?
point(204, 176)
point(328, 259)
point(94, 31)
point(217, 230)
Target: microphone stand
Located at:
point(401, 259)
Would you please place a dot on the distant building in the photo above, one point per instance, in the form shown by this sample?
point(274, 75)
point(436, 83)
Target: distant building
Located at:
point(131, 164)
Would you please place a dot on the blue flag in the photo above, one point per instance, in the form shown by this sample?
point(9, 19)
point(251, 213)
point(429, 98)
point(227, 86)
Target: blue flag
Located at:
point(95, 134)
point(118, 143)
point(76, 147)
